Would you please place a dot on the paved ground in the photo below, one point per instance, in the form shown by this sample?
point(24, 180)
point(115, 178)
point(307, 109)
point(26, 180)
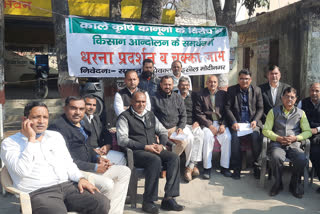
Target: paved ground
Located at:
point(222, 196)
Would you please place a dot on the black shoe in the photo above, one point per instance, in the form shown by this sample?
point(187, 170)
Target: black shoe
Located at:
point(256, 172)
point(275, 189)
point(225, 172)
point(236, 174)
point(150, 207)
point(171, 204)
point(206, 173)
point(296, 190)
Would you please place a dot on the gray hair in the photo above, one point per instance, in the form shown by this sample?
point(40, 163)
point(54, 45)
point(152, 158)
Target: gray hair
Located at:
point(184, 79)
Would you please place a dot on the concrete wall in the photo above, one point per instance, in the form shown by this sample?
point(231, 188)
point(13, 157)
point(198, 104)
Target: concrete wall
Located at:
point(297, 28)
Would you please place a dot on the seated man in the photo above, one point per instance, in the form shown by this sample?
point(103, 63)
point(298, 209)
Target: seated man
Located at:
point(136, 129)
point(311, 106)
point(122, 98)
point(286, 125)
point(169, 108)
point(100, 138)
point(39, 163)
point(111, 180)
point(193, 130)
point(244, 105)
point(209, 112)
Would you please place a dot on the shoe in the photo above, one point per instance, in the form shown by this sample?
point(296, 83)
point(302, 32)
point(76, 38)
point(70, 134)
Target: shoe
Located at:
point(275, 189)
point(195, 172)
point(236, 174)
point(256, 172)
point(171, 204)
point(295, 191)
point(225, 172)
point(150, 207)
point(206, 173)
point(188, 174)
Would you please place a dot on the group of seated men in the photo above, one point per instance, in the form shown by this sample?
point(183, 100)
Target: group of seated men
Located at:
point(151, 117)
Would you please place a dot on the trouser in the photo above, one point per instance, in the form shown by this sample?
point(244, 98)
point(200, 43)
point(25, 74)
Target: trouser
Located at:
point(315, 153)
point(114, 185)
point(193, 149)
point(224, 140)
point(179, 147)
point(116, 158)
point(236, 154)
point(152, 166)
point(278, 155)
point(65, 197)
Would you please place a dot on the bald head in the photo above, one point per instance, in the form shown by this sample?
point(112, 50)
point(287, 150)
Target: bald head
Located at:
point(138, 102)
point(315, 92)
point(212, 83)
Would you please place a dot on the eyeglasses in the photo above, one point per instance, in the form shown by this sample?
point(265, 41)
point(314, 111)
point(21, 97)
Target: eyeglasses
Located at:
point(290, 97)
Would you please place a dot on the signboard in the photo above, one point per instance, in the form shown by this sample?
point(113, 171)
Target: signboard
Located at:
point(28, 8)
point(106, 49)
point(89, 7)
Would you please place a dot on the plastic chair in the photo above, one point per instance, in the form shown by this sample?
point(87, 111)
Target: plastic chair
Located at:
point(265, 158)
point(25, 201)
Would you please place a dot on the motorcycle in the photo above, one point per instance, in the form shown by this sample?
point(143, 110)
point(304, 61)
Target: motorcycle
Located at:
point(41, 88)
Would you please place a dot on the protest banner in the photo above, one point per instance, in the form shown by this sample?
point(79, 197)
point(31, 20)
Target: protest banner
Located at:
point(107, 49)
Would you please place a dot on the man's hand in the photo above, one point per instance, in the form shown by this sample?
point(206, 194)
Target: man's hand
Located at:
point(195, 125)
point(253, 124)
point(291, 139)
point(282, 140)
point(84, 184)
point(27, 130)
point(235, 127)
point(102, 167)
point(105, 149)
point(221, 130)
point(314, 131)
point(98, 151)
point(158, 148)
point(179, 131)
point(151, 148)
point(213, 130)
point(105, 161)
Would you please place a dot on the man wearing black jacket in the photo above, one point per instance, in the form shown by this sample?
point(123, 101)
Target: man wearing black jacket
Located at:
point(169, 108)
point(111, 180)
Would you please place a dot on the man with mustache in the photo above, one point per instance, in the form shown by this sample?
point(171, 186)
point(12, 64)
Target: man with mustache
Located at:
point(111, 180)
point(176, 68)
point(285, 126)
point(40, 164)
point(148, 80)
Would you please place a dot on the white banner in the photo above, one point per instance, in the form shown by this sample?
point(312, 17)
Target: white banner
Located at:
point(106, 49)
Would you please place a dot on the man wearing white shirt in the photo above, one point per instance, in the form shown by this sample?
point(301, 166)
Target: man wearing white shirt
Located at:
point(122, 98)
point(311, 106)
point(39, 163)
point(176, 68)
point(272, 90)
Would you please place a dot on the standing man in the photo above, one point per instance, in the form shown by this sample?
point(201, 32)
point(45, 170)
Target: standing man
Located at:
point(122, 98)
point(100, 139)
point(148, 80)
point(311, 106)
point(176, 68)
point(169, 108)
point(40, 164)
point(244, 105)
point(111, 180)
point(272, 90)
point(193, 130)
point(136, 129)
point(209, 112)
point(286, 125)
